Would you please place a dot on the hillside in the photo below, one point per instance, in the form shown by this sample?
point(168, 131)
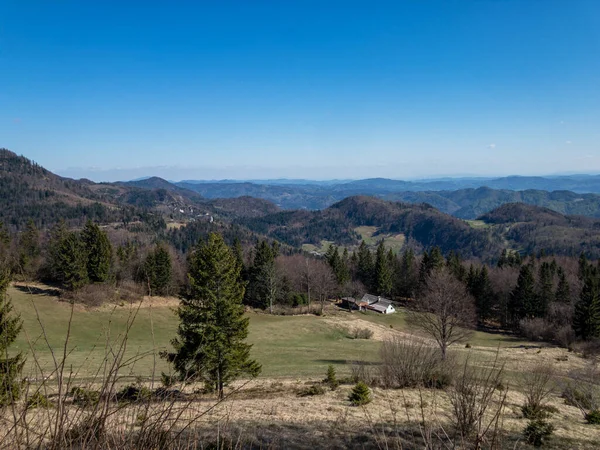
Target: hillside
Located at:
point(456, 197)
point(531, 228)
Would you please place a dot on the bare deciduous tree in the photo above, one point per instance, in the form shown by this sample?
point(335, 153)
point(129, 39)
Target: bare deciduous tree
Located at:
point(444, 310)
point(323, 280)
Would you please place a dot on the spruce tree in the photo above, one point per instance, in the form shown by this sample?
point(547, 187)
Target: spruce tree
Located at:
point(158, 271)
point(563, 290)
point(262, 277)
point(99, 252)
point(365, 266)
point(210, 344)
point(407, 279)
point(10, 365)
point(383, 272)
point(586, 317)
point(29, 247)
point(523, 298)
point(71, 261)
point(545, 290)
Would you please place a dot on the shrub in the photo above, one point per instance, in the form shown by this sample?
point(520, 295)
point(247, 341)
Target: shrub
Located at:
point(331, 379)
point(593, 417)
point(478, 399)
point(360, 394)
point(167, 380)
point(537, 329)
point(576, 397)
point(133, 393)
point(537, 431)
point(85, 397)
point(537, 385)
point(315, 389)
point(411, 363)
point(538, 412)
point(361, 333)
point(39, 400)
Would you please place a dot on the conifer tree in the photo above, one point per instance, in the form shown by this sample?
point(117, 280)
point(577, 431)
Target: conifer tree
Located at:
point(158, 271)
point(545, 288)
point(383, 272)
point(563, 290)
point(262, 277)
point(71, 261)
point(210, 344)
point(432, 261)
point(407, 279)
point(586, 317)
point(523, 299)
point(29, 247)
point(10, 365)
point(365, 266)
point(99, 252)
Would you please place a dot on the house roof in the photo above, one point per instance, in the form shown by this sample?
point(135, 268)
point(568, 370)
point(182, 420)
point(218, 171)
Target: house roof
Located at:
point(375, 299)
point(378, 307)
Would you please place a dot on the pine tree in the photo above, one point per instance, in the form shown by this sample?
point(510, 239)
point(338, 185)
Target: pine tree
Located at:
point(158, 271)
point(365, 266)
point(71, 261)
point(383, 272)
point(523, 299)
point(480, 287)
point(99, 252)
point(563, 290)
point(210, 339)
point(407, 279)
point(454, 264)
point(360, 394)
point(545, 290)
point(586, 317)
point(10, 326)
point(331, 378)
point(262, 277)
point(432, 261)
point(29, 247)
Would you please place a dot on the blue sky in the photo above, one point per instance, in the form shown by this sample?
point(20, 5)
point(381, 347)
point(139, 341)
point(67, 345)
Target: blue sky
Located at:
point(301, 89)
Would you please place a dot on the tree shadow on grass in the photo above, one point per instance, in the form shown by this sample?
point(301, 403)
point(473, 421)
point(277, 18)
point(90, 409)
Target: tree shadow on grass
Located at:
point(36, 290)
point(347, 362)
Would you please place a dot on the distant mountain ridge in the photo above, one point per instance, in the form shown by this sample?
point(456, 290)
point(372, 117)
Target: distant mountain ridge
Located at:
point(465, 203)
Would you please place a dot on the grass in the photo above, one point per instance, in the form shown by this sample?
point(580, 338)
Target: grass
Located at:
point(477, 224)
point(369, 236)
point(286, 346)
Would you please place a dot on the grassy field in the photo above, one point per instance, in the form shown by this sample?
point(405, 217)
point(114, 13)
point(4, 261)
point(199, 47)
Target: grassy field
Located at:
point(286, 346)
point(393, 241)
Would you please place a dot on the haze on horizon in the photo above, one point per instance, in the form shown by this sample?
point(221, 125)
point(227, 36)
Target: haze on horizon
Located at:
point(112, 90)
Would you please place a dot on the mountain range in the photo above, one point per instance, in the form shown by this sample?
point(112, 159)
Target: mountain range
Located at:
point(561, 222)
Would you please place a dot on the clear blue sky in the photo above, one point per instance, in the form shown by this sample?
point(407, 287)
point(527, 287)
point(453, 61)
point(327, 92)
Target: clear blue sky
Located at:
point(302, 89)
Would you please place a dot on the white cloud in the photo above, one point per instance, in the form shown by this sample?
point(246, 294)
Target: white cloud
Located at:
point(568, 142)
point(492, 146)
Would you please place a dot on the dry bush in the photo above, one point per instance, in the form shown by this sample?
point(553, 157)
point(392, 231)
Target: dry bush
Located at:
point(361, 333)
point(478, 399)
point(582, 388)
point(537, 329)
point(94, 295)
point(412, 363)
point(537, 384)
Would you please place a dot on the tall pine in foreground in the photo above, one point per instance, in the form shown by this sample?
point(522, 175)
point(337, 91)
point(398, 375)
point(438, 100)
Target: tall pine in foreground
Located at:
point(10, 365)
point(210, 345)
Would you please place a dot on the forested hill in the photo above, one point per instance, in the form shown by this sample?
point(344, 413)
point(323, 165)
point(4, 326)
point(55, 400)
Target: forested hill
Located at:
point(455, 199)
point(28, 191)
point(519, 227)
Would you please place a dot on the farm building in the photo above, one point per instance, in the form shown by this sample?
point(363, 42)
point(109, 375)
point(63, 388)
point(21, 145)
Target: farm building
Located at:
point(371, 303)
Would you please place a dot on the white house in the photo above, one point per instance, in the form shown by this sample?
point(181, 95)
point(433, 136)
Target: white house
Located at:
point(378, 304)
